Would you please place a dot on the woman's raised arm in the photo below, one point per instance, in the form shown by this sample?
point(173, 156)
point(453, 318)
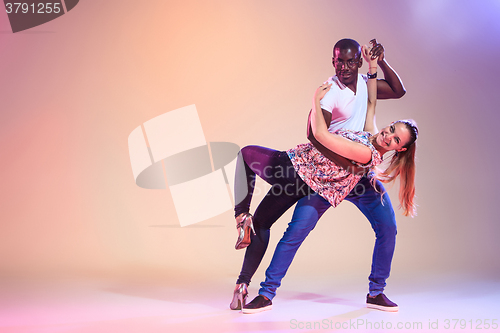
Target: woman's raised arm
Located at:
point(370, 125)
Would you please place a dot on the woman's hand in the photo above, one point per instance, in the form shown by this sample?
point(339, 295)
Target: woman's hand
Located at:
point(368, 54)
point(318, 124)
point(322, 90)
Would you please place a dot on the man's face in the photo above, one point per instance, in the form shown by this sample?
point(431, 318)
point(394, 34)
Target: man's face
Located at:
point(346, 63)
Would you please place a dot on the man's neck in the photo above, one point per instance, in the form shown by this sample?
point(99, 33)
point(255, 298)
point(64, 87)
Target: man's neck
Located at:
point(353, 85)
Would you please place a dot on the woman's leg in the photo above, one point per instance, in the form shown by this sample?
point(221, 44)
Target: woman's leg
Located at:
point(267, 164)
point(287, 188)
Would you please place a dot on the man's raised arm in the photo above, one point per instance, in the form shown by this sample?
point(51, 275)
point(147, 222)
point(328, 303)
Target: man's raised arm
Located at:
point(391, 86)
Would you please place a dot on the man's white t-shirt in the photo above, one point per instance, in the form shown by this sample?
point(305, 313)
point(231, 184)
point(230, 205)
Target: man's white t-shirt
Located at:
point(348, 109)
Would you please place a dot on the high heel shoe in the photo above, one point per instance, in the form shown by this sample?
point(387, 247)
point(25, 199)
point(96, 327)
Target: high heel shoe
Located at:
point(244, 223)
point(239, 297)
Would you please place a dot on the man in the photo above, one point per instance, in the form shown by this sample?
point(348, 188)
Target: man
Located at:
point(344, 106)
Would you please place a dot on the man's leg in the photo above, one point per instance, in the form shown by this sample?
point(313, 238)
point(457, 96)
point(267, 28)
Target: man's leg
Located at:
point(382, 218)
point(305, 216)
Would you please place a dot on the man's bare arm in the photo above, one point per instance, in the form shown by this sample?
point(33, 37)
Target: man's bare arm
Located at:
point(391, 86)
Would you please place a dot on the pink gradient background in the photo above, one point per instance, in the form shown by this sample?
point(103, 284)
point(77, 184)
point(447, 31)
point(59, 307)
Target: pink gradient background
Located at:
point(73, 89)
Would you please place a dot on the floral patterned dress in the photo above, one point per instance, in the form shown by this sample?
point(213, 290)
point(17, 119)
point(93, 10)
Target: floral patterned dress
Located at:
point(325, 177)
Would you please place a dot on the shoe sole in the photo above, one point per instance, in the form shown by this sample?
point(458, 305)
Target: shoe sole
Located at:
point(383, 308)
point(241, 244)
point(235, 307)
point(236, 302)
point(265, 308)
point(245, 241)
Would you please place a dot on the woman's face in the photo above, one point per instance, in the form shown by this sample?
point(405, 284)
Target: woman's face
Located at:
point(394, 137)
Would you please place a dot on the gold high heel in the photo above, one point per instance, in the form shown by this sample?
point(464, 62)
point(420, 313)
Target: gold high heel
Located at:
point(244, 223)
point(239, 297)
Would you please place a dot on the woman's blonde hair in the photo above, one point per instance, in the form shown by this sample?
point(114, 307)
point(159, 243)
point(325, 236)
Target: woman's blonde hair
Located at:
point(403, 164)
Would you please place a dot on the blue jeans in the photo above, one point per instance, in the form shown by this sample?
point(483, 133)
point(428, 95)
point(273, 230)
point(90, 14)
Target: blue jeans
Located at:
point(307, 213)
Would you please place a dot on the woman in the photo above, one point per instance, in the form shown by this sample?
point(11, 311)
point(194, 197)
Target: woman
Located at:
point(304, 170)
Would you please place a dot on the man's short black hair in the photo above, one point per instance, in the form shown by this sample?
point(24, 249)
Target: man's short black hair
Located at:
point(347, 43)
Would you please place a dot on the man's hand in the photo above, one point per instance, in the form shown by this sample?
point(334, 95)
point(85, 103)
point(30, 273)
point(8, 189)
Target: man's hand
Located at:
point(390, 86)
point(377, 50)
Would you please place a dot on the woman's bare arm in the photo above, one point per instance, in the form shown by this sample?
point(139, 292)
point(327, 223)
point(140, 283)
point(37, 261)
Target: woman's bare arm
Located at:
point(370, 125)
point(349, 149)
